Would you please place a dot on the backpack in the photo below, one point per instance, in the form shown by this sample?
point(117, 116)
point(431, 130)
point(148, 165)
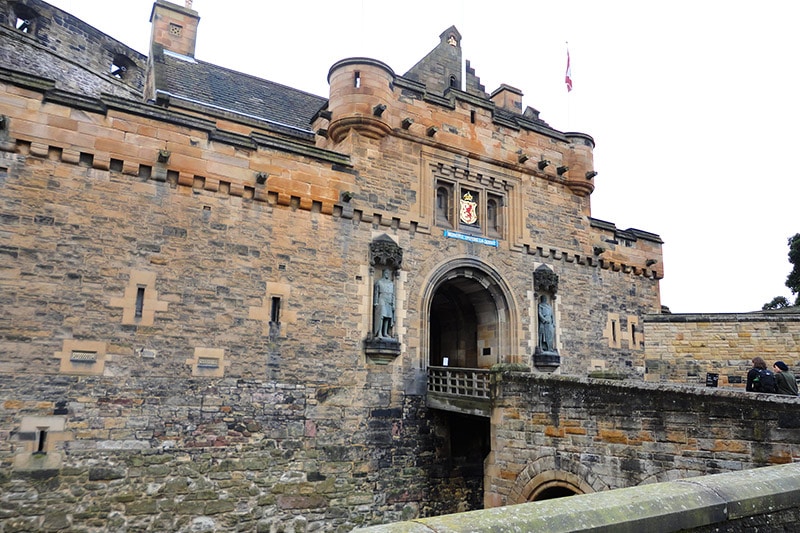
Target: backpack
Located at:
point(765, 382)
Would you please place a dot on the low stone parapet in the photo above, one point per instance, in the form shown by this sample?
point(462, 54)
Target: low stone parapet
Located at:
point(764, 498)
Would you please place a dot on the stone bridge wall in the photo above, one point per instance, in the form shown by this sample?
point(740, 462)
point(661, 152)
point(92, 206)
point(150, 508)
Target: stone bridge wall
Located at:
point(592, 435)
point(763, 499)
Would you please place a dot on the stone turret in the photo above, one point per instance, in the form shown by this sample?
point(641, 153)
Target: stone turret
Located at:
point(361, 90)
point(174, 27)
point(580, 160)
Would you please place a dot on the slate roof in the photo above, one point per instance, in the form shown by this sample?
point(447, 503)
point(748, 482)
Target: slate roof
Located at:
point(209, 84)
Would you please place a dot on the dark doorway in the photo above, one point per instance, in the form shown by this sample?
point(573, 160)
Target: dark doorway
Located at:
point(463, 325)
point(464, 443)
point(453, 329)
point(554, 492)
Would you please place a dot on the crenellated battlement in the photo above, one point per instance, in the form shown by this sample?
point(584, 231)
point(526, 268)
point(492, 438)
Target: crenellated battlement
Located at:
point(179, 161)
point(367, 97)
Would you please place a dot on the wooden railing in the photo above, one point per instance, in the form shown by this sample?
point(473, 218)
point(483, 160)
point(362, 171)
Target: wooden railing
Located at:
point(463, 382)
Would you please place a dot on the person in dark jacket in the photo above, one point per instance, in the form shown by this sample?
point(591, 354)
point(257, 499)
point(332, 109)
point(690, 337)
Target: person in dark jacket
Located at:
point(786, 382)
point(752, 383)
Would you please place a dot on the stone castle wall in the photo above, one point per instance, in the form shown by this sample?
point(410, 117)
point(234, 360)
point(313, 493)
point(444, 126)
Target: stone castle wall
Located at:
point(63, 48)
point(89, 206)
point(684, 348)
point(160, 454)
point(187, 295)
point(203, 380)
point(593, 435)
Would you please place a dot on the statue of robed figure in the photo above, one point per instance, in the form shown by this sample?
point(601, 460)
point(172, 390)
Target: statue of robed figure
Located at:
point(383, 306)
point(546, 326)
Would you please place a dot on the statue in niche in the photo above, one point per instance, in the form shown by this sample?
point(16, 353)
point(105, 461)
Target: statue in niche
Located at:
point(383, 306)
point(546, 326)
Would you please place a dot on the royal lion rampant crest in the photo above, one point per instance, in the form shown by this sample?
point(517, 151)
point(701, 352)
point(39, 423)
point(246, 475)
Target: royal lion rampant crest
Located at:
point(469, 209)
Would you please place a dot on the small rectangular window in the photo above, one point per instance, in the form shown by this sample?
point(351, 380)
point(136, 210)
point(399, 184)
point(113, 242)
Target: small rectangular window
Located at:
point(208, 362)
point(357, 80)
point(139, 302)
point(83, 356)
point(275, 310)
point(41, 440)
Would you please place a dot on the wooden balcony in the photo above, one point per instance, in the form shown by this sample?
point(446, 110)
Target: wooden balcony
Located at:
point(463, 390)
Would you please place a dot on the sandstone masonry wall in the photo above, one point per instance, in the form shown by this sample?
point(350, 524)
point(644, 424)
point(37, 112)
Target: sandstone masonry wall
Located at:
point(683, 348)
point(159, 454)
point(593, 435)
point(187, 294)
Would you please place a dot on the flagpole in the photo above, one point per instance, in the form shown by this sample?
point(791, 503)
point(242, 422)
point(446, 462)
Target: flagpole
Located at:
point(568, 82)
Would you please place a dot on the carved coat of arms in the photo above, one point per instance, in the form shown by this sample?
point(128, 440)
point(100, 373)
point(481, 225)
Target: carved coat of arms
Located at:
point(469, 209)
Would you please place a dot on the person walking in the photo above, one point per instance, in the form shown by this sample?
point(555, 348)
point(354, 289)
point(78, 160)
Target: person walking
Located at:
point(785, 380)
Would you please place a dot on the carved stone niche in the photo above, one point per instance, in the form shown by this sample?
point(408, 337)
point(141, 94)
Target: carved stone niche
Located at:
point(545, 285)
point(385, 257)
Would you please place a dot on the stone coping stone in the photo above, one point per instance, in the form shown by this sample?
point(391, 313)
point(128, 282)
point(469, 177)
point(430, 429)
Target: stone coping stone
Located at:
point(670, 506)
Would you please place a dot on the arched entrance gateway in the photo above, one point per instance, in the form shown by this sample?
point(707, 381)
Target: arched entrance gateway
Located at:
point(469, 324)
point(469, 318)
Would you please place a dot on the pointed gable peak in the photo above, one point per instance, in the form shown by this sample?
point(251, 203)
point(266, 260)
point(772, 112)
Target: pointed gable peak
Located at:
point(441, 68)
point(451, 37)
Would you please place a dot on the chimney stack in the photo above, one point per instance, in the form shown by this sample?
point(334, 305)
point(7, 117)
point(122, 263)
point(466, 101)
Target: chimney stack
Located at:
point(174, 27)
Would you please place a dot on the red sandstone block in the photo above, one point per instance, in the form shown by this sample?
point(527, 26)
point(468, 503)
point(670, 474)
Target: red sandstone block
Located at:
point(189, 164)
point(146, 130)
point(116, 149)
point(171, 135)
point(236, 189)
point(62, 122)
point(211, 184)
point(101, 162)
point(101, 131)
point(39, 149)
point(185, 178)
point(261, 194)
point(614, 436)
point(130, 168)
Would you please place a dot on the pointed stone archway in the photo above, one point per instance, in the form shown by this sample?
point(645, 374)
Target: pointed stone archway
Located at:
point(469, 318)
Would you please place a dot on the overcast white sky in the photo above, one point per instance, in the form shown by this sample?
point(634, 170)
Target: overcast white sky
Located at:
point(694, 105)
